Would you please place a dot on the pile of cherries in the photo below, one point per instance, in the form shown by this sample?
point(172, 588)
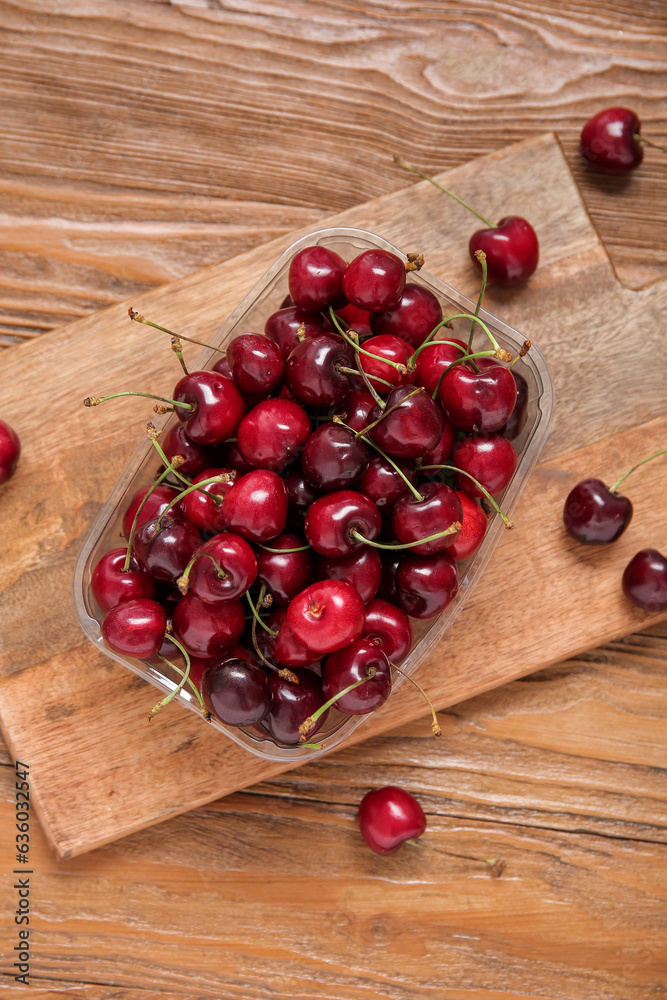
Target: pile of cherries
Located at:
point(314, 496)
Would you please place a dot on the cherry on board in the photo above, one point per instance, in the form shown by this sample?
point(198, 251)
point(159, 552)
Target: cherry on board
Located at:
point(644, 580)
point(10, 450)
point(388, 817)
point(594, 515)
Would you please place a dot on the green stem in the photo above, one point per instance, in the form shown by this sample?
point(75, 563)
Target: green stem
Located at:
point(481, 257)
point(138, 318)
point(461, 472)
point(205, 711)
point(172, 694)
point(414, 170)
point(298, 548)
point(435, 725)
point(135, 522)
point(177, 348)
point(96, 400)
point(612, 489)
point(308, 723)
point(395, 546)
point(255, 612)
point(183, 581)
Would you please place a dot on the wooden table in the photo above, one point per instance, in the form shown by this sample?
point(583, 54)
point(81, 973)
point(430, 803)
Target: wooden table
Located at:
point(142, 141)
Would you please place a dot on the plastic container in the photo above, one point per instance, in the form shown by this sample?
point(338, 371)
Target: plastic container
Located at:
point(251, 315)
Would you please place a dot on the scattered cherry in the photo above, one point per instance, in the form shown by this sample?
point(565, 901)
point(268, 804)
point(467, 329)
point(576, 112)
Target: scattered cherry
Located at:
point(610, 141)
point(388, 817)
point(10, 450)
point(644, 580)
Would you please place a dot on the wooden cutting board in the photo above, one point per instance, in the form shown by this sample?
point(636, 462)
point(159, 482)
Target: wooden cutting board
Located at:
point(78, 719)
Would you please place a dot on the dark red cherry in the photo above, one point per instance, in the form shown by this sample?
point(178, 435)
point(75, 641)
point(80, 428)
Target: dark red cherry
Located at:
point(292, 704)
point(164, 547)
point(135, 628)
point(355, 408)
point(289, 652)
point(10, 450)
point(197, 456)
point(645, 580)
point(361, 568)
point(441, 454)
point(388, 817)
point(512, 251)
point(609, 141)
point(158, 501)
point(438, 510)
point(273, 434)
point(478, 400)
point(333, 518)
point(231, 457)
point(112, 584)
point(300, 493)
point(289, 326)
point(382, 484)
point(256, 363)
point(517, 418)
point(224, 567)
point(208, 630)
point(489, 458)
point(236, 692)
point(201, 507)
point(352, 664)
point(594, 515)
point(473, 529)
point(256, 506)
point(285, 573)
point(316, 279)
point(313, 373)
point(374, 280)
point(389, 628)
point(435, 359)
point(357, 319)
point(333, 457)
point(217, 406)
point(326, 616)
point(387, 589)
point(385, 348)
point(413, 318)
point(412, 428)
point(426, 584)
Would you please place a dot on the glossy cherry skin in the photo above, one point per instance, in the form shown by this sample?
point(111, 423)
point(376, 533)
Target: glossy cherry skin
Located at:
point(645, 580)
point(292, 704)
point(414, 316)
point(289, 652)
point(158, 501)
point(10, 450)
point(442, 453)
point(388, 817)
point(517, 418)
point(362, 569)
point(438, 510)
point(352, 664)
point(111, 584)
point(490, 458)
point(313, 374)
point(236, 560)
point(208, 630)
point(388, 627)
point(436, 358)
point(386, 347)
point(197, 457)
point(608, 141)
point(256, 506)
point(273, 434)
point(218, 406)
point(594, 515)
point(256, 363)
point(333, 457)
point(355, 408)
point(387, 590)
point(478, 400)
point(135, 628)
point(512, 251)
point(300, 494)
point(330, 521)
point(473, 528)
point(410, 430)
point(357, 319)
point(374, 280)
point(200, 506)
point(382, 484)
point(326, 616)
point(316, 279)
point(289, 326)
point(285, 573)
point(164, 552)
point(236, 692)
point(426, 584)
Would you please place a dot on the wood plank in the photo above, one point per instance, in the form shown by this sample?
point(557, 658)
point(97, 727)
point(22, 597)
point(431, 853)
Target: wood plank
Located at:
point(75, 685)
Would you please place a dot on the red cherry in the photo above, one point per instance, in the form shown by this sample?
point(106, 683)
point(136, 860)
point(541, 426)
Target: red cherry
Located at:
point(412, 428)
point(287, 327)
point(333, 518)
point(165, 550)
point(388, 817)
point(208, 630)
point(374, 280)
point(288, 651)
point(384, 348)
point(285, 573)
point(292, 704)
point(389, 628)
point(158, 501)
point(645, 580)
point(326, 616)
point(413, 318)
point(594, 515)
point(357, 319)
point(10, 450)
point(313, 373)
point(200, 508)
point(112, 584)
point(256, 506)
point(489, 458)
point(352, 664)
point(273, 434)
point(512, 251)
point(434, 359)
point(473, 529)
point(256, 363)
point(609, 141)
point(236, 692)
point(316, 279)
point(426, 584)
point(135, 628)
point(223, 568)
point(438, 510)
point(441, 454)
point(333, 457)
point(362, 569)
point(197, 456)
point(217, 406)
point(478, 400)
point(382, 484)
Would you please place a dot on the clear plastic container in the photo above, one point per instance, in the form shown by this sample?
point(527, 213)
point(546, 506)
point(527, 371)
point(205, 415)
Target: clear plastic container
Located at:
point(251, 315)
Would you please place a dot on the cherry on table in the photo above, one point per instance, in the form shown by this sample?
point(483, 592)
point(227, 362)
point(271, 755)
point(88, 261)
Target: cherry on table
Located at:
point(135, 628)
point(388, 817)
point(610, 141)
point(236, 692)
point(10, 450)
point(512, 251)
point(594, 515)
point(644, 580)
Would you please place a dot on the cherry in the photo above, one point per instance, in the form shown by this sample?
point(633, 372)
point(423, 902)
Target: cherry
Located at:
point(355, 408)
point(434, 359)
point(292, 704)
point(333, 457)
point(410, 425)
point(383, 484)
point(256, 363)
point(316, 279)
point(289, 652)
point(273, 433)
point(287, 327)
point(10, 450)
point(220, 570)
point(645, 580)
point(165, 545)
point(356, 319)
point(388, 817)
point(354, 663)
point(473, 529)
point(200, 506)
point(216, 406)
point(196, 457)
point(512, 251)
point(489, 458)
point(362, 569)
point(595, 515)
point(478, 400)
point(426, 584)
point(300, 495)
point(331, 520)
point(136, 627)
point(326, 616)
point(285, 573)
point(159, 499)
point(236, 692)
point(517, 418)
point(414, 317)
point(386, 348)
point(387, 590)
point(441, 454)
point(256, 506)
point(389, 628)
point(112, 584)
point(208, 630)
point(438, 509)
point(374, 280)
point(313, 373)
point(610, 141)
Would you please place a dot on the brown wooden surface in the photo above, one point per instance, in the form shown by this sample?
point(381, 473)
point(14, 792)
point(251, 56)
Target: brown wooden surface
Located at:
point(142, 141)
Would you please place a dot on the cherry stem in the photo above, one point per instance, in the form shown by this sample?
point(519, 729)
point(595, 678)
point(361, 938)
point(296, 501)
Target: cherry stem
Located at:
point(360, 350)
point(413, 489)
point(360, 371)
point(459, 361)
point(525, 347)
point(96, 400)
point(414, 170)
point(223, 477)
point(648, 142)
point(184, 676)
point(446, 320)
point(394, 546)
point(461, 472)
point(177, 348)
point(205, 711)
point(386, 412)
point(496, 863)
point(663, 451)
point(255, 612)
point(298, 548)
point(138, 318)
point(481, 257)
point(435, 725)
point(133, 529)
point(183, 581)
point(308, 723)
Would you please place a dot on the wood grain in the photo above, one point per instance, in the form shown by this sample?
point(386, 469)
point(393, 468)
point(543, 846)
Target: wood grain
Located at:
point(51, 671)
point(142, 141)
